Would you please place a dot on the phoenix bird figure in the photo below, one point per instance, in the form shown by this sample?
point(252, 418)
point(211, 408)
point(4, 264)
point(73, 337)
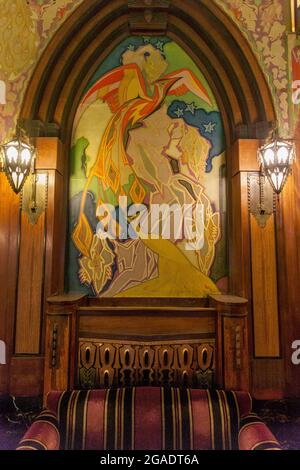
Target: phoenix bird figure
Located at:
point(133, 92)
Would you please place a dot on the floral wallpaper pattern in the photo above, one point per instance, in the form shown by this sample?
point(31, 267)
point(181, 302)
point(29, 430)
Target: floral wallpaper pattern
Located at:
point(25, 29)
point(26, 26)
point(263, 24)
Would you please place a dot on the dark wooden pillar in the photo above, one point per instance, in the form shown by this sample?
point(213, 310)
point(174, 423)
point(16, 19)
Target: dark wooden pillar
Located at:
point(253, 273)
point(232, 367)
point(61, 343)
point(40, 271)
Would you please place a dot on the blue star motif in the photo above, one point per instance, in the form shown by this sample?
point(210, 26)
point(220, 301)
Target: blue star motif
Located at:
point(179, 112)
point(191, 108)
point(160, 45)
point(210, 127)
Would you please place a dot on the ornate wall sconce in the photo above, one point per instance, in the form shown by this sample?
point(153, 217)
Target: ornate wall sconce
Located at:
point(18, 163)
point(275, 158)
point(18, 156)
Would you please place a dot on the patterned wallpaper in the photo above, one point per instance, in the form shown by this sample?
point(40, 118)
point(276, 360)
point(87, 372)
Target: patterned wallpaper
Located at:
point(25, 29)
point(263, 24)
point(26, 26)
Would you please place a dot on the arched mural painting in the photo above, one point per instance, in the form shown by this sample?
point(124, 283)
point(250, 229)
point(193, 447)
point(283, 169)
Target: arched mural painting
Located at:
point(147, 132)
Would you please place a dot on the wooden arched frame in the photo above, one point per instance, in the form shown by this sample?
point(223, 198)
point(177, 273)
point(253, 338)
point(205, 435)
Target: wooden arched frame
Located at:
point(71, 58)
point(201, 28)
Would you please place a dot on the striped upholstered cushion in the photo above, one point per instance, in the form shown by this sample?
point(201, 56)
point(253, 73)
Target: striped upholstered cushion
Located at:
point(254, 435)
point(149, 418)
point(43, 434)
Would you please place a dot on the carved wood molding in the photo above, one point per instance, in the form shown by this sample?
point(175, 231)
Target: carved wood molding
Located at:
point(142, 4)
point(54, 345)
point(156, 345)
point(148, 16)
point(104, 363)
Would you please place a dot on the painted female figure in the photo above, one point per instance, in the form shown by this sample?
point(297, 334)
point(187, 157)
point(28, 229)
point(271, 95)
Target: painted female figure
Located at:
point(135, 93)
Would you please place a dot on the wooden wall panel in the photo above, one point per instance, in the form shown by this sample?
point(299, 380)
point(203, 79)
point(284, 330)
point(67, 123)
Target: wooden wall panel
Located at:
point(288, 223)
point(56, 234)
point(30, 286)
point(253, 276)
point(235, 353)
point(50, 154)
point(41, 272)
point(244, 156)
point(264, 288)
point(152, 324)
point(9, 235)
point(56, 371)
point(26, 377)
point(239, 238)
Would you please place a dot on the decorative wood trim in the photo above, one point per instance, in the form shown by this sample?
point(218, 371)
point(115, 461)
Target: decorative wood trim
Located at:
point(66, 299)
point(144, 302)
point(103, 363)
point(148, 16)
point(54, 345)
point(232, 369)
point(228, 300)
point(154, 4)
point(84, 333)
